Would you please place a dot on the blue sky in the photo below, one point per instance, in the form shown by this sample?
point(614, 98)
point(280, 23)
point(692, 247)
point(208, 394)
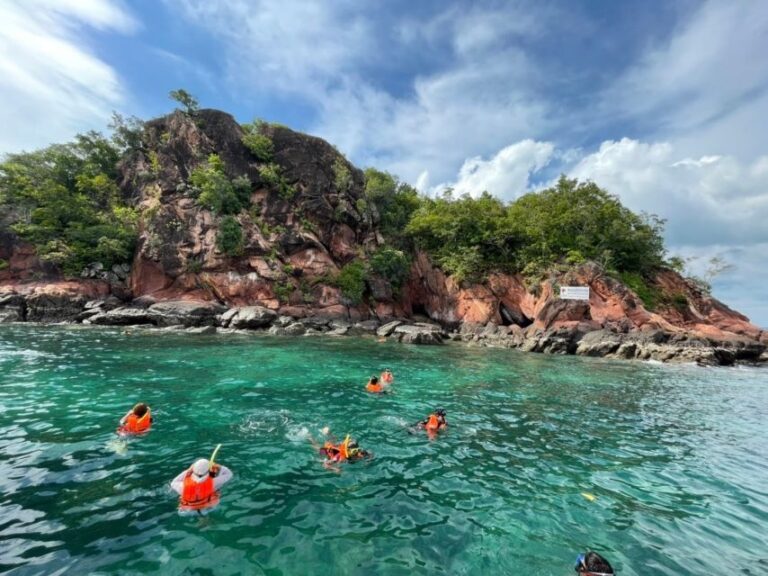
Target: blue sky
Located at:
point(663, 104)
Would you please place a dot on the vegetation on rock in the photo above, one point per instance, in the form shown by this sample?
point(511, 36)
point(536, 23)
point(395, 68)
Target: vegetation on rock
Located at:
point(566, 224)
point(186, 99)
point(257, 142)
point(395, 202)
point(214, 189)
point(230, 236)
point(64, 199)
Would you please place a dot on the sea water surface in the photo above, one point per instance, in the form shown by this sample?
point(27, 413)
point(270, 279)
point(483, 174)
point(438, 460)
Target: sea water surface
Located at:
point(662, 469)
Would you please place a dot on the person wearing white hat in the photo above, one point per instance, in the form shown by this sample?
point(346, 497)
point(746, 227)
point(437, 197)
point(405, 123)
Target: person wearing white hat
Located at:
point(198, 486)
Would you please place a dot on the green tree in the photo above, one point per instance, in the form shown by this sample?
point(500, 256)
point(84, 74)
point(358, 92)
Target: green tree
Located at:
point(467, 236)
point(64, 200)
point(582, 217)
point(229, 238)
point(391, 264)
point(395, 202)
point(186, 99)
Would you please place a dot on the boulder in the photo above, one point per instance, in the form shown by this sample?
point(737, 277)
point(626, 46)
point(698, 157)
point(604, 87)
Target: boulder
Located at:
point(598, 343)
point(341, 331)
point(251, 317)
point(388, 328)
point(418, 334)
point(13, 307)
point(8, 315)
point(296, 329)
point(316, 322)
point(123, 316)
point(53, 307)
point(186, 313)
point(367, 325)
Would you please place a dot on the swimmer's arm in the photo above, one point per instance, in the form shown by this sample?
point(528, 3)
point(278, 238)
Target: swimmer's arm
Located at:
point(177, 484)
point(223, 476)
point(124, 418)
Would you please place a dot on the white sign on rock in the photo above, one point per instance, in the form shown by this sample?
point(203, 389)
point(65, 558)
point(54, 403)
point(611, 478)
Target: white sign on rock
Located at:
point(574, 292)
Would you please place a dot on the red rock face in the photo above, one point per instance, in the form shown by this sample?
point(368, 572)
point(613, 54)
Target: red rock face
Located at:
point(293, 247)
point(611, 304)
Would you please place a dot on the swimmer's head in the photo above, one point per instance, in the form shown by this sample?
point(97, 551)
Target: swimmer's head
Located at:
point(200, 469)
point(374, 380)
point(440, 412)
point(140, 409)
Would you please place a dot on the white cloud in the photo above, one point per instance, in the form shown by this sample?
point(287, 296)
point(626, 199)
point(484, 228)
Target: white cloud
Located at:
point(702, 81)
point(479, 99)
point(706, 200)
point(506, 175)
point(51, 85)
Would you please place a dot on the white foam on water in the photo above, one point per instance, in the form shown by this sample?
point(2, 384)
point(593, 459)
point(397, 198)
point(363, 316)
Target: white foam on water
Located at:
point(118, 446)
point(297, 433)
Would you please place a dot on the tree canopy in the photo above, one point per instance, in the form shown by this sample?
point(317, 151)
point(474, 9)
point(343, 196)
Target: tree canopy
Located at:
point(566, 224)
point(64, 199)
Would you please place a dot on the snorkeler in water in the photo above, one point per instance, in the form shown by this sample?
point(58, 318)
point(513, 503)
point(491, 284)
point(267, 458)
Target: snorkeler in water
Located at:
point(434, 422)
point(374, 385)
point(137, 421)
point(198, 486)
point(336, 453)
point(387, 377)
point(592, 564)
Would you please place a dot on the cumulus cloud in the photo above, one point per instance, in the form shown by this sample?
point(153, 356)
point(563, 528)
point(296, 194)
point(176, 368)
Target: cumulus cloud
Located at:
point(507, 174)
point(51, 85)
point(706, 200)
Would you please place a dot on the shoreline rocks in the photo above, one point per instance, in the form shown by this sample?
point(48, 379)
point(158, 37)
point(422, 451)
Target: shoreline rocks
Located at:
point(578, 337)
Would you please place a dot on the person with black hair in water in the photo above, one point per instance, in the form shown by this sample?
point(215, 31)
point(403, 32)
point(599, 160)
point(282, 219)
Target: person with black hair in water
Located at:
point(592, 564)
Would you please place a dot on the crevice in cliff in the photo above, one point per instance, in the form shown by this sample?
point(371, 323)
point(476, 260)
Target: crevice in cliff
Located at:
point(511, 317)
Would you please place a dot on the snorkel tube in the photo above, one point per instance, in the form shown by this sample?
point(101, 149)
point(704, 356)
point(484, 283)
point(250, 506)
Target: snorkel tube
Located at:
point(213, 457)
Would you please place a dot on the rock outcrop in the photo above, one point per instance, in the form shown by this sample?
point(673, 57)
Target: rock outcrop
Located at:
point(297, 237)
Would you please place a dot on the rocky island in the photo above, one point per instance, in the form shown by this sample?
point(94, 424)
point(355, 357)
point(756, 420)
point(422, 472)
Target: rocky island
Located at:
point(194, 220)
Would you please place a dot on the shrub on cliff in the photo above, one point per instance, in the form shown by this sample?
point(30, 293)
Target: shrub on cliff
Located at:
point(257, 142)
point(351, 282)
point(467, 236)
point(273, 177)
point(229, 238)
point(64, 200)
point(216, 191)
point(186, 99)
point(391, 264)
point(395, 202)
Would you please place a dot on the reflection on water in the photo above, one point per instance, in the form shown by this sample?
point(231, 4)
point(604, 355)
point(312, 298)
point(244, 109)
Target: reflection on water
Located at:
point(673, 460)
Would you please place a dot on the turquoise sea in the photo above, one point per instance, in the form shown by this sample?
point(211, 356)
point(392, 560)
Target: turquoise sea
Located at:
point(662, 469)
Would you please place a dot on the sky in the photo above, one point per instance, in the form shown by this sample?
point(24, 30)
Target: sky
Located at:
point(663, 104)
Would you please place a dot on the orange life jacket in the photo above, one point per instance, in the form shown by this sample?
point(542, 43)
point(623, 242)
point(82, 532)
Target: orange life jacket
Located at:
point(198, 495)
point(373, 387)
point(336, 452)
point(433, 423)
point(135, 425)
